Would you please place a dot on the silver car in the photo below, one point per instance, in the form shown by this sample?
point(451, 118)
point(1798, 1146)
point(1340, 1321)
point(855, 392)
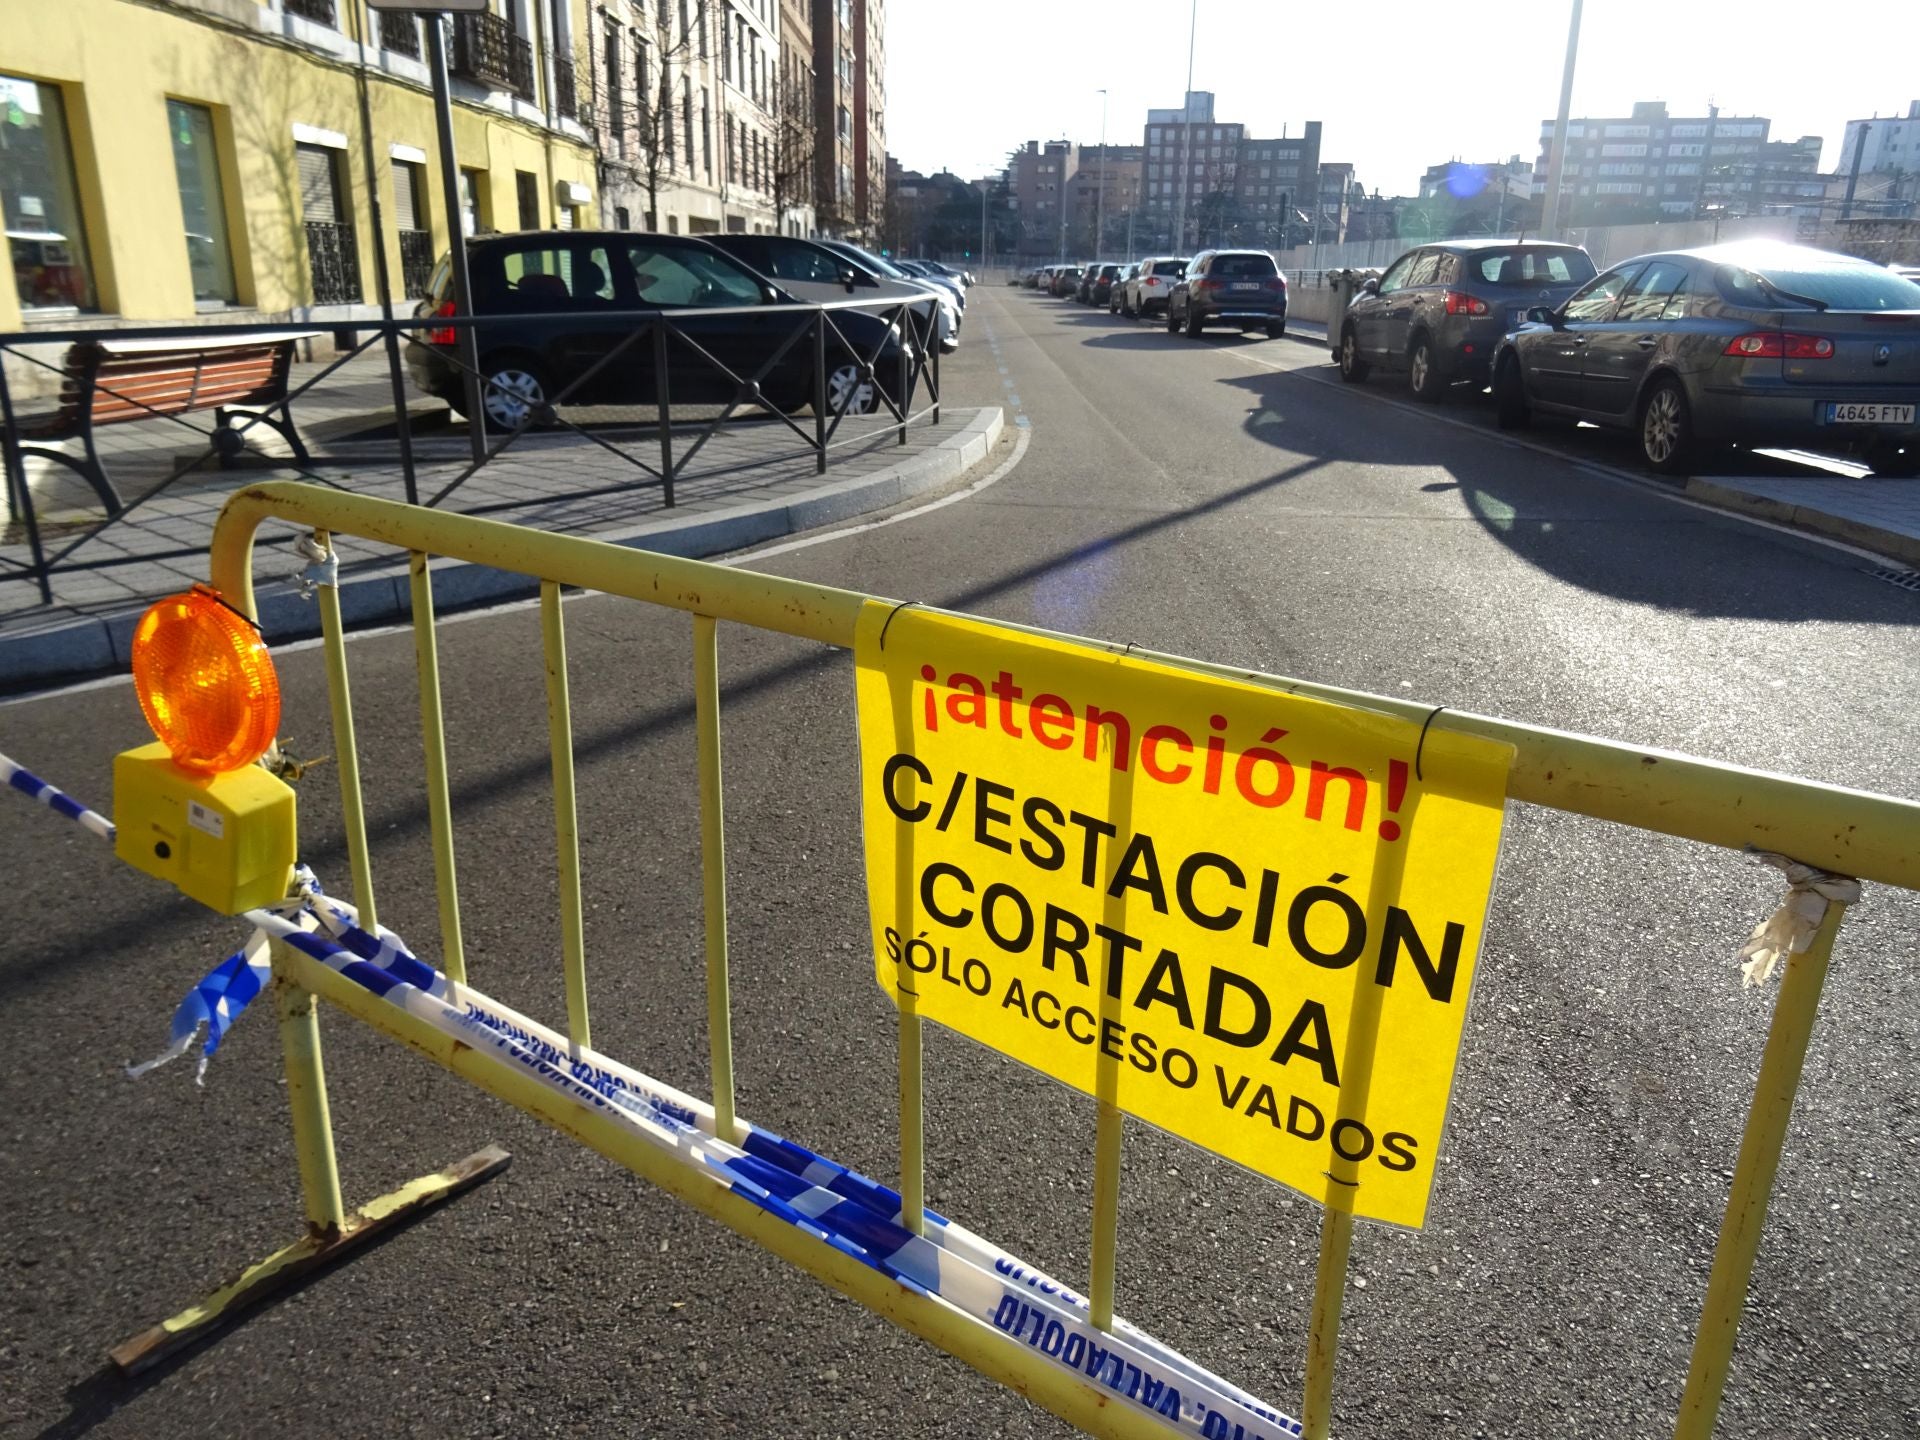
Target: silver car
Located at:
point(1751, 343)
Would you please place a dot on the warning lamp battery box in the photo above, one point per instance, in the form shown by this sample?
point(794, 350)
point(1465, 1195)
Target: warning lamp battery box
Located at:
point(225, 840)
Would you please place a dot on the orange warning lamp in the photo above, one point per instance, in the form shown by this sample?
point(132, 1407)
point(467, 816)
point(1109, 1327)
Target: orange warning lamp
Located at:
point(206, 682)
point(193, 809)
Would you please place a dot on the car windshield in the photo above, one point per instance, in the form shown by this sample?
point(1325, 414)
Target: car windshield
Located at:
point(1530, 265)
point(1243, 266)
point(1806, 284)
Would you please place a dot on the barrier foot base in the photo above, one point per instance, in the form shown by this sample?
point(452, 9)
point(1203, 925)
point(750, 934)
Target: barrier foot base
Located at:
point(313, 1251)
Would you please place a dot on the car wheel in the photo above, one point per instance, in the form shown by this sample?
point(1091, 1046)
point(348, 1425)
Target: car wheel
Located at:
point(514, 393)
point(1130, 310)
point(1666, 428)
point(1193, 326)
point(845, 387)
point(1892, 460)
point(1353, 369)
point(1510, 408)
point(1423, 371)
point(1276, 329)
point(1173, 323)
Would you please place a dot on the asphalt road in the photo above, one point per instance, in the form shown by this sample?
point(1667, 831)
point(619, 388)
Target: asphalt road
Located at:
point(1225, 499)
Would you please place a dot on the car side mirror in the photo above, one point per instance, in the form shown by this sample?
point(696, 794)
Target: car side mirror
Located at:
point(1370, 286)
point(847, 277)
point(1543, 315)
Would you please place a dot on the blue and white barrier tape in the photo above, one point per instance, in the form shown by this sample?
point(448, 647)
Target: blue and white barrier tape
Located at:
point(55, 799)
point(857, 1216)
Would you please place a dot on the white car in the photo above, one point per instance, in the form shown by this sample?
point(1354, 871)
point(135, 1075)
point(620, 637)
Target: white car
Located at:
point(1148, 289)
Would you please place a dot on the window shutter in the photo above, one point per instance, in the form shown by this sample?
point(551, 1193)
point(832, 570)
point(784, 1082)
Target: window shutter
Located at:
point(404, 216)
point(317, 198)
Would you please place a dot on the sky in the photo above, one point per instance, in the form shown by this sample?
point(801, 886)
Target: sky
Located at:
point(969, 82)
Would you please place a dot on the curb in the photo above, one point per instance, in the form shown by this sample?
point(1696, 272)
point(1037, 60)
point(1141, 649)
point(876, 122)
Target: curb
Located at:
point(1891, 543)
point(74, 649)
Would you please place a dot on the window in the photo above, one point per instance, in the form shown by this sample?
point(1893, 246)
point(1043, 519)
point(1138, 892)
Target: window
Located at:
point(1533, 267)
point(1649, 296)
point(803, 262)
point(616, 126)
point(1424, 269)
point(1850, 285)
point(526, 189)
point(621, 219)
point(1595, 300)
point(203, 206)
point(1396, 276)
point(40, 199)
point(543, 278)
point(472, 217)
point(673, 277)
point(1243, 267)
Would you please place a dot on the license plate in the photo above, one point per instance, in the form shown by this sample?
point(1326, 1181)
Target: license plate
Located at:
point(1869, 414)
point(1244, 285)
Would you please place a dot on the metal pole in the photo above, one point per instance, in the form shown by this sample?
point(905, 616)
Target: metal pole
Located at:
point(1186, 138)
point(1323, 1333)
point(382, 277)
point(1100, 187)
point(986, 252)
point(713, 857)
point(16, 466)
point(1550, 222)
point(1853, 174)
point(469, 340)
point(307, 1100)
point(1706, 166)
point(1753, 1174)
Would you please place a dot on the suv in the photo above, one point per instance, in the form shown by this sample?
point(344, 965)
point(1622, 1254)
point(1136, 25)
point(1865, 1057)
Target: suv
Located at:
point(1097, 282)
point(1150, 285)
point(1440, 311)
point(1065, 279)
point(1241, 288)
point(557, 305)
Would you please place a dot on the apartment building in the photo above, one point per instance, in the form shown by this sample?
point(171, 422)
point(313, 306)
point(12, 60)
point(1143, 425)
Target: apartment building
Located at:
point(206, 157)
point(1650, 163)
point(849, 85)
point(1039, 177)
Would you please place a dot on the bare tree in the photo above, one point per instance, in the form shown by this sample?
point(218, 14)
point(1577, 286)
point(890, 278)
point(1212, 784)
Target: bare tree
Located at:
point(792, 150)
point(647, 121)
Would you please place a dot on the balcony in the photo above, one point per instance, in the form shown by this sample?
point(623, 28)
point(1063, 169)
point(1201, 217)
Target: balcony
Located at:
point(317, 10)
point(334, 261)
point(566, 104)
point(399, 33)
point(416, 262)
point(488, 52)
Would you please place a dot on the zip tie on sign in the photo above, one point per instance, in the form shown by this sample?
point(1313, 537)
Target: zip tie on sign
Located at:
point(322, 565)
point(1789, 930)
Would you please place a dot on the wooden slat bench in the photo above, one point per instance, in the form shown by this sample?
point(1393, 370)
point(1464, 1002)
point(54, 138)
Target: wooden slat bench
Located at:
point(109, 382)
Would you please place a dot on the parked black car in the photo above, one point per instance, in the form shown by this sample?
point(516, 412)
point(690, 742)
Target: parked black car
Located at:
point(1754, 344)
point(562, 301)
point(1097, 282)
point(1439, 311)
point(814, 273)
point(1241, 288)
point(1065, 278)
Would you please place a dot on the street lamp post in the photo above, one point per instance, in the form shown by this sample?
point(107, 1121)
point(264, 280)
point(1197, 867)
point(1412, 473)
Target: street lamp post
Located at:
point(1186, 137)
point(1550, 222)
point(1100, 186)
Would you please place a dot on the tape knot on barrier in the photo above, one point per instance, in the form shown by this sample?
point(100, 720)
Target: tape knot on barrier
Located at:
point(322, 565)
point(1789, 930)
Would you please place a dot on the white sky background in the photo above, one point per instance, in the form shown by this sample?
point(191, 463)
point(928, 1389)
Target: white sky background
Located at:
point(1397, 84)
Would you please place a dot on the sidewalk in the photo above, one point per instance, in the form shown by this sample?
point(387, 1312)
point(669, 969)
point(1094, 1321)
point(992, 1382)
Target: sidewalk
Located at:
point(753, 481)
point(1876, 513)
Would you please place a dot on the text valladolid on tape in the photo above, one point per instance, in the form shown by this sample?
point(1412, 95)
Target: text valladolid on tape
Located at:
point(1237, 914)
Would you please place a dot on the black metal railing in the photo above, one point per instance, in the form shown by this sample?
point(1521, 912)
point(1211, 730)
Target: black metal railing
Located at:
point(812, 356)
point(566, 100)
point(487, 51)
point(416, 262)
point(321, 10)
point(400, 33)
point(334, 261)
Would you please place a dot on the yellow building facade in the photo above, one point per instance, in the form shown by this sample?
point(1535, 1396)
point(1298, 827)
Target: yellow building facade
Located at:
point(205, 158)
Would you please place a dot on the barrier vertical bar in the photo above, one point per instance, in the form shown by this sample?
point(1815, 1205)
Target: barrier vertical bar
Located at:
point(820, 393)
point(932, 345)
point(913, 1139)
point(906, 398)
point(352, 813)
point(1753, 1175)
point(566, 820)
point(713, 856)
point(307, 1100)
point(1323, 1332)
point(433, 734)
point(1108, 1123)
point(16, 467)
point(662, 400)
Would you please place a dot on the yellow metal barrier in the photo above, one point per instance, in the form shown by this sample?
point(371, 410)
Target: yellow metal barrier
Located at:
point(1854, 833)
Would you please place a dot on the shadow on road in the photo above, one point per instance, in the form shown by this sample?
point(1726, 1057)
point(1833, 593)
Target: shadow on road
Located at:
point(1572, 525)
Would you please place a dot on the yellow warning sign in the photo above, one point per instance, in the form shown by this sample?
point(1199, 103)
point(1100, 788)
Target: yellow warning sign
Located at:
point(1247, 917)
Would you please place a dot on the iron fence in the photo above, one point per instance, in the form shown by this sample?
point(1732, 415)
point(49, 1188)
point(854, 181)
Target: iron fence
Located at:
point(416, 262)
point(400, 33)
point(334, 262)
point(854, 357)
point(566, 99)
point(488, 51)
